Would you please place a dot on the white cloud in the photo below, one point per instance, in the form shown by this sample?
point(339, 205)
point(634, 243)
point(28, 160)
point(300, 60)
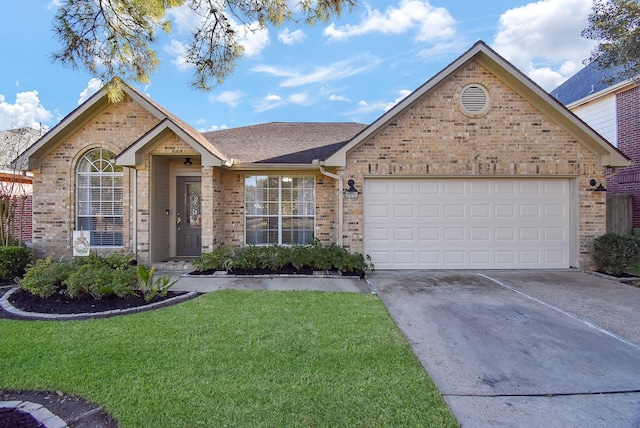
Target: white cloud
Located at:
point(93, 86)
point(336, 71)
point(288, 37)
point(231, 98)
point(430, 23)
point(25, 112)
point(177, 49)
point(300, 99)
point(366, 107)
point(269, 102)
point(253, 39)
point(543, 39)
point(213, 128)
point(338, 98)
point(185, 21)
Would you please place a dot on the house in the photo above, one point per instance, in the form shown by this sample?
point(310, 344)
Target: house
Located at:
point(477, 168)
point(15, 194)
point(15, 188)
point(612, 108)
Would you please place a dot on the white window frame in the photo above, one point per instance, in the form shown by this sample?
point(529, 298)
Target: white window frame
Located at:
point(258, 207)
point(99, 198)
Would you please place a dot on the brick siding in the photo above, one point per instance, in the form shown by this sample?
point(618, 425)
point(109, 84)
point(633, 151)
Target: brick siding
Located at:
point(627, 180)
point(433, 138)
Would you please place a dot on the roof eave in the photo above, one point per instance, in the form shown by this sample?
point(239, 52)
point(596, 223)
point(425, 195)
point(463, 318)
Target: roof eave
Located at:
point(134, 154)
point(256, 166)
point(608, 155)
point(510, 75)
point(75, 120)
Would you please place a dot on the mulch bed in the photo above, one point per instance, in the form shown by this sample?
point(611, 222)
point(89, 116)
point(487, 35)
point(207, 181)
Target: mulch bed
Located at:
point(75, 411)
point(61, 304)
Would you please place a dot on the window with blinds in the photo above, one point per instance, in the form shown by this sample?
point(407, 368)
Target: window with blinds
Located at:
point(99, 196)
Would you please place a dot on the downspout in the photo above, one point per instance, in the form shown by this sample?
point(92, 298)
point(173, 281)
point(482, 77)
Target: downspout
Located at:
point(340, 201)
point(135, 213)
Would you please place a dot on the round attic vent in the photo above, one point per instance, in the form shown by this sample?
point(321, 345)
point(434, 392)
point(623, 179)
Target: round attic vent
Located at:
point(474, 99)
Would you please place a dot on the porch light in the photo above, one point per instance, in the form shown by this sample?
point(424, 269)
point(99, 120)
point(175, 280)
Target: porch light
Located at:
point(600, 187)
point(351, 192)
point(187, 162)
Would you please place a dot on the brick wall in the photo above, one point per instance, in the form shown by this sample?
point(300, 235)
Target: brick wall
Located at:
point(434, 138)
point(114, 129)
point(627, 180)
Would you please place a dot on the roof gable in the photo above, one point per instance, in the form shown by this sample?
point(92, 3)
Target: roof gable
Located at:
point(512, 77)
point(133, 155)
point(99, 102)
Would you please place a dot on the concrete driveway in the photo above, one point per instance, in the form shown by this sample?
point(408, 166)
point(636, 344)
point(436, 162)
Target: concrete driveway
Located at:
point(523, 348)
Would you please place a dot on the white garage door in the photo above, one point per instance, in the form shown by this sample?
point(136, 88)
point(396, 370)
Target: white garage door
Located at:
point(467, 223)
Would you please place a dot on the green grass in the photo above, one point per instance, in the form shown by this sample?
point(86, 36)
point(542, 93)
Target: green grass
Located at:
point(233, 358)
point(635, 270)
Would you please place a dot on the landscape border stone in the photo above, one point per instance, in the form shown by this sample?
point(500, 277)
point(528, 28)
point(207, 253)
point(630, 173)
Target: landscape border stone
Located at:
point(7, 306)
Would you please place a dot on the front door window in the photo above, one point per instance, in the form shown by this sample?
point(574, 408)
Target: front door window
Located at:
point(189, 216)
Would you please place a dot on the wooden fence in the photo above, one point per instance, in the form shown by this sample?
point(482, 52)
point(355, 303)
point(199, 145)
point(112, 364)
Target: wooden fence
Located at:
point(619, 214)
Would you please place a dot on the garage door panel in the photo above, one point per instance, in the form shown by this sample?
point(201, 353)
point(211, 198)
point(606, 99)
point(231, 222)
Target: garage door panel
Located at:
point(479, 223)
point(403, 211)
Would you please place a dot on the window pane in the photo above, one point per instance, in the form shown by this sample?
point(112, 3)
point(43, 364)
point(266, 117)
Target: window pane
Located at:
point(287, 201)
point(99, 198)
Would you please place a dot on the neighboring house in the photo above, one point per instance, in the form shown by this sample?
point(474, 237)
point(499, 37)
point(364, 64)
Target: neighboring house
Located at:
point(613, 110)
point(477, 168)
point(15, 188)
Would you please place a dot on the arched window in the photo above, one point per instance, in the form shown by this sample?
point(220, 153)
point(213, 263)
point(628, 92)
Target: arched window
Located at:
point(99, 198)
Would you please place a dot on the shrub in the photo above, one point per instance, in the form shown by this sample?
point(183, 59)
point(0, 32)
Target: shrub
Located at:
point(314, 256)
point(215, 260)
point(97, 276)
point(614, 254)
point(44, 277)
point(99, 280)
point(13, 262)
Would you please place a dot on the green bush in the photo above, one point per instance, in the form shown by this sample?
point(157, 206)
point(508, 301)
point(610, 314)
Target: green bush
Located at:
point(313, 256)
point(13, 262)
point(215, 260)
point(614, 254)
point(99, 280)
point(94, 275)
point(44, 277)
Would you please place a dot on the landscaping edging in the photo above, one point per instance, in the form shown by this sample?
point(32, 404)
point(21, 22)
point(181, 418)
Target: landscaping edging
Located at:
point(632, 281)
point(55, 409)
point(7, 306)
point(37, 411)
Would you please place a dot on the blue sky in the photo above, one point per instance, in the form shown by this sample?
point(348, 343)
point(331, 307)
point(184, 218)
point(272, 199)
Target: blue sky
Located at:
point(350, 69)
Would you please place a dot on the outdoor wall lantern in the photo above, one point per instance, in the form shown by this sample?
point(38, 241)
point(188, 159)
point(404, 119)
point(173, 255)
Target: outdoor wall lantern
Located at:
point(166, 212)
point(351, 192)
point(187, 162)
point(600, 187)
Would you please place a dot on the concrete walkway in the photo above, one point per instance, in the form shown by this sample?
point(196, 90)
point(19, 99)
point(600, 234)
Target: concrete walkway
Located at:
point(204, 284)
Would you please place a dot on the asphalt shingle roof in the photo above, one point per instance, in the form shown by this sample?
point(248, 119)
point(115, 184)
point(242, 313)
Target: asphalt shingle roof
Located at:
point(283, 142)
point(589, 80)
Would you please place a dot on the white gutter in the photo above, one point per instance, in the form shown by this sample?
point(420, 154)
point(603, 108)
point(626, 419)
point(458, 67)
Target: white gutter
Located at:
point(340, 202)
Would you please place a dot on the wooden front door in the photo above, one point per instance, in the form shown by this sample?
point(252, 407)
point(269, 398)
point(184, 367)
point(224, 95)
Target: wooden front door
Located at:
point(188, 216)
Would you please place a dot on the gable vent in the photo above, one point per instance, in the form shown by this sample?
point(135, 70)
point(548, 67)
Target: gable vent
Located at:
point(474, 99)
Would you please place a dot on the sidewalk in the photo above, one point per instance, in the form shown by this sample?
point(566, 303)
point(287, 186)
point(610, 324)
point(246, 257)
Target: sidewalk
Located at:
point(208, 283)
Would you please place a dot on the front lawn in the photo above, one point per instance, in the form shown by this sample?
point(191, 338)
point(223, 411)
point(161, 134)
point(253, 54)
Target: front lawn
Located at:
point(233, 358)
